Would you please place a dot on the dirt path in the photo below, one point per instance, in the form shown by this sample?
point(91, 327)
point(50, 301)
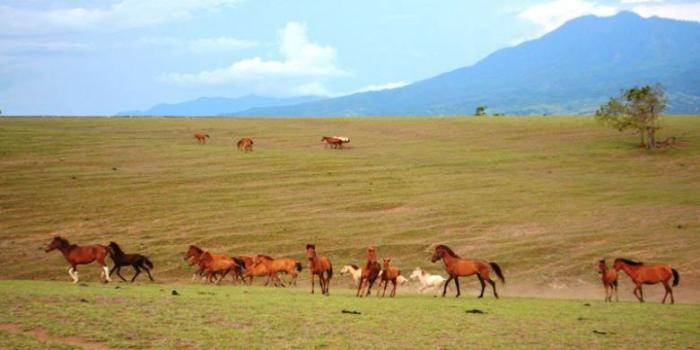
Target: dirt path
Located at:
point(44, 336)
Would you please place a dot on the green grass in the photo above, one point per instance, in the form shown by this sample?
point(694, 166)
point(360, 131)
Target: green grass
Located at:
point(208, 317)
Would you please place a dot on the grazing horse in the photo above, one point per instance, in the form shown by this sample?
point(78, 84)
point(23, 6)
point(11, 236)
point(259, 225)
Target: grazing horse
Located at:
point(389, 274)
point(609, 278)
point(332, 141)
point(286, 266)
point(370, 272)
point(81, 255)
point(201, 137)
point(321, 266)
point(641, 273)
point(245, 144)
point(427, 280)
point(137, 261)
point(458, 267)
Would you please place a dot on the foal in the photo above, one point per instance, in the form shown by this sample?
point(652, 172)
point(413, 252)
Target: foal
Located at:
point(201, 137)
point(321, 266)
point(81, 255)
point(389, 273)
point(609, 278)
point(137, 261)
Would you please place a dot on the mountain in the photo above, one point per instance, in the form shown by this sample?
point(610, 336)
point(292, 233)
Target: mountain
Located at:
point(570, 70)
point(213, 106)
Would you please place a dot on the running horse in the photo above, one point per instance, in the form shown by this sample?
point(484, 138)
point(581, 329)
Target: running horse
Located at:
point(641, 273)
point(321, 266)
point(137, 261)
point(370, 272)
point(194, 256)
point(457, 267)
point(287, 266)
point(332, 141)
point(81, 255)
point(201, 137)
point(245, 144)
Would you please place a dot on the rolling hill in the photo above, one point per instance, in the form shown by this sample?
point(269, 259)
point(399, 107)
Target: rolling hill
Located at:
point(568, 71)
point(213, 106)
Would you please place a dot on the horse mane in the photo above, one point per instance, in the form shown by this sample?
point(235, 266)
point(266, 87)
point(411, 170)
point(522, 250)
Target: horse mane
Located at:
point(630, 262)
point(199, 250)
point(354, 266)
point(265, 257)
point(447, 250)
point(312, 246)
point(116, 248)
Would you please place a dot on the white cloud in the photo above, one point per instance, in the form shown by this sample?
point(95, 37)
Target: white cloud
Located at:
point(550, 15)
point(301, 58)
point(380, 87)
point(685, 11)
point(121, 15)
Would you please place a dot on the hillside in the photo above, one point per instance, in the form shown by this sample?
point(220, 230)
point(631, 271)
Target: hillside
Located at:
point(570, 70)
point(213, 106)
point(543, 197)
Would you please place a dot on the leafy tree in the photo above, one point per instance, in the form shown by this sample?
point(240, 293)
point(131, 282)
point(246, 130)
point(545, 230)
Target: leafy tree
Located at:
point(637, 108)
point(480, 111)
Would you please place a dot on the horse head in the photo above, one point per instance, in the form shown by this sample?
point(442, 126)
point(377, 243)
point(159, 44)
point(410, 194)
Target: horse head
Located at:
point(371, 254)
point(192, 252)
point(439, 253)
point(56, 243)
point(386, 263)
point(416, 274)
point(310, 250)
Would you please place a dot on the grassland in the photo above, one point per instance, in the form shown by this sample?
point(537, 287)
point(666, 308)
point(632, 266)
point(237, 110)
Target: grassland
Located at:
point(543, 197)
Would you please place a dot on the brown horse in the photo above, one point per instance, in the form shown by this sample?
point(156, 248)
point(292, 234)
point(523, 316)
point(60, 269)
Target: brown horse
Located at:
point(245, 144)
point(260, 270)
point(609, 278)
point(458, 267)
point(201, 137)
point(247, 262)
point(287, 266)
point(194, 255)
point(389, 274)
point(332, 141)
point(321, 266)
point(370, 272)
point(641, 273)
point(214, 265)
point(81, 255)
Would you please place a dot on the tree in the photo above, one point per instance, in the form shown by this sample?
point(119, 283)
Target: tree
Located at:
point(480, 111)
point(637, 108)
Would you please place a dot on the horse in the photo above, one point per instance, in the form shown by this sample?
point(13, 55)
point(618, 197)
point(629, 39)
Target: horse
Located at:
point(245, 144)
point(137, 261)
point(401, 280)
point(641, 273)
point(321, 266)
point(370, 272)
point(287, 266)
point(248, 263)
point(201, 137)
point(194, 255)
point(426, 280)
point(458, 267)
point(81, 255)
point(259, 269)
point(389, 274)
point(354, 271)
point(214, 265)
point(332, 141)
point(609, 279)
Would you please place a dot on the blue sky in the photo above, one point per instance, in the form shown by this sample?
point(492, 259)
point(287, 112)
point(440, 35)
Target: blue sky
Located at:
point(87, 57)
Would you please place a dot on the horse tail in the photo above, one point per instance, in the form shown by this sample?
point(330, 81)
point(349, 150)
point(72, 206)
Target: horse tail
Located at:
point(330, 270)
point(239, 262)
point(676, 277)
point(298, 266)
point(497, 270)
point(147, 262)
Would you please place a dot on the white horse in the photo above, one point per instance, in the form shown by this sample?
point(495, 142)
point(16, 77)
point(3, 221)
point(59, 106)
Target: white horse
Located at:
point(401, 280)
point(354, 271)
point(427, 281)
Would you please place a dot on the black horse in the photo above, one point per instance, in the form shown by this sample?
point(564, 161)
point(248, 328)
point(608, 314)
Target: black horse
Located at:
point(137, 261)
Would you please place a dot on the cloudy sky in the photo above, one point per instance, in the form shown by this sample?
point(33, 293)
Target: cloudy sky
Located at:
point(88, 57)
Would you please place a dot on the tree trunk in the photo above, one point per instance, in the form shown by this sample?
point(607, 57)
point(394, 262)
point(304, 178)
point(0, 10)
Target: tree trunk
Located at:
point(641, 137)
point(652, 138)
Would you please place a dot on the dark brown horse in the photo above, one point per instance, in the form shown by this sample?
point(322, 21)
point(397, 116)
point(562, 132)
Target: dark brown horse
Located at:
point(81, 255)
point(370, 272)
point(321, 266)
point(389, 274)
point(332, 141)
point(286, 266)
point(245, 144)
point(641, 273)
point(609, 279)
point(201, 137)
point(458, 267)
point(137, 261)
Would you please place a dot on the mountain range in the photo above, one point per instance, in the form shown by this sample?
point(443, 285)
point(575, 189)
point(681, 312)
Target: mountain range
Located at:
point(571, 70)
point(214, 106)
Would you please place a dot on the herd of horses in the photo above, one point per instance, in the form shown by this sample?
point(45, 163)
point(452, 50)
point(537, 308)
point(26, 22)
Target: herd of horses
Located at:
point(246, 144)
point(215, 267)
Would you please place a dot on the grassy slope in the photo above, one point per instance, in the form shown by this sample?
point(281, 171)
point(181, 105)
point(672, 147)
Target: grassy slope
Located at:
point(544, 197)
point(207, 317)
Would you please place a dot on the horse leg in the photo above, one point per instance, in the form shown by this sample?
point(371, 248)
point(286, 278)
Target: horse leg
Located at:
point(137, 270)
point(459, 291)
point(444, 289)
point(359, 287)
point(493, 285)
point(483, 285)
point(607, 294)
point(369, 287)
point(328, 284)
point(617, 299)
point(148, 271)
point(386, 283)
point(641, 294)
point(393, 291)
point(312, 283)
point(73, 274)
point(112, 270)
point(119, 269)
point(667, 288)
